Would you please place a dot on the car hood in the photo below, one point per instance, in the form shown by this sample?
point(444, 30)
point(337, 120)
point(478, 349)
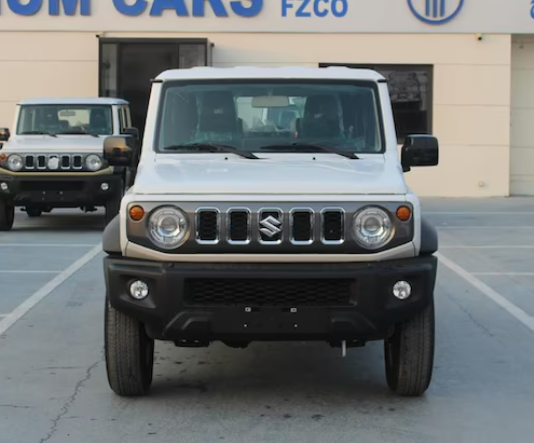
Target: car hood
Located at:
point(61, 143)
point(277, 174)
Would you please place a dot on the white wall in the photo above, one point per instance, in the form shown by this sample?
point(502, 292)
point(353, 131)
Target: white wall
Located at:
point(522, 137)
point(471, 96)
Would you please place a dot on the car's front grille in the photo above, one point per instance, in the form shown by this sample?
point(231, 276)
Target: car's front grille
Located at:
point(42, 162)
point(300, 226)
point(269, 292)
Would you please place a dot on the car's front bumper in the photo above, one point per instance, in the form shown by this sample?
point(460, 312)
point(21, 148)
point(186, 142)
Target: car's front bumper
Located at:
point(247, 302)
point(58, 190)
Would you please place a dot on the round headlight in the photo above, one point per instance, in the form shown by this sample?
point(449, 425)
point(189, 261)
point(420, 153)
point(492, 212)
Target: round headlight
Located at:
point(168, 227)
point(93, 162)
point(14, 162)
point(373, 228)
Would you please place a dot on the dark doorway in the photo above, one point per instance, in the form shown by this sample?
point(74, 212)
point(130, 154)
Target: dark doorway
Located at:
point(128, 65)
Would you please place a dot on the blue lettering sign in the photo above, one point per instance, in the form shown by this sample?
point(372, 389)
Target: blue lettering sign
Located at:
point(316, 8)
point(70, 7)
point(136, 9)
point(31, 7)
point(216, 5)
point(177, 5)
point(532, 9)
point(247, 11)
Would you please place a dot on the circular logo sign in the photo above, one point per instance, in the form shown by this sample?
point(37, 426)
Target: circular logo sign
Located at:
point(436, 12)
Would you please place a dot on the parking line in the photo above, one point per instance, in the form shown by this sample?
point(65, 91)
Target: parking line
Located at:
point(46, 245)
point(25, 271)
point(485, 227)
point(504, 273)
point(487, 247)
point(508, 306)
point(47, 289)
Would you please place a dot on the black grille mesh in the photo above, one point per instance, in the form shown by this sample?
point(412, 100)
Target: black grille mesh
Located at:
point(208, 226)
point(302, 226)
point(269, 292)
point(333, 225)
point(239, 226)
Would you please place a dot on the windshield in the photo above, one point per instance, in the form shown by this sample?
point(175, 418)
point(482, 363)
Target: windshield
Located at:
point(65, 119)
point(256, 115)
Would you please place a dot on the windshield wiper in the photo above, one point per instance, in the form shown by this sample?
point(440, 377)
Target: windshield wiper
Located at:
point(93, 134)
point(211, 147)
point(320, 147)
point(51, 134)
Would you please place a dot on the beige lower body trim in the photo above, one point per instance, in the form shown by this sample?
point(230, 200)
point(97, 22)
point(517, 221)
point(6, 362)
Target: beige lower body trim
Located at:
point(57, 173)
point(135, 251)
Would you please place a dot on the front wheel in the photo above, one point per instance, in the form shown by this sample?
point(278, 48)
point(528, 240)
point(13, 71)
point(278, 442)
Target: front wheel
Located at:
point(7, 215)
point(129, 354)
point(409, 354)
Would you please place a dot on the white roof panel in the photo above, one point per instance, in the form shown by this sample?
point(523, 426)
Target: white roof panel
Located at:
point(73, 101)
point(242, 72)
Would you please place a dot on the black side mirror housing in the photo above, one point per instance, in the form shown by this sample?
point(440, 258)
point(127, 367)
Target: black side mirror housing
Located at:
point(132, 131)
point(419, 150)
point(4, 134)
point(119, 150)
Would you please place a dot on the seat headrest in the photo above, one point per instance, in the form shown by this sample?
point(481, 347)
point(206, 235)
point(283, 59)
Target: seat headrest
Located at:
point(218, 112)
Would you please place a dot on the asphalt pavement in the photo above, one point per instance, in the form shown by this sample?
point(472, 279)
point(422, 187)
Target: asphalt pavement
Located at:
point(53, 385)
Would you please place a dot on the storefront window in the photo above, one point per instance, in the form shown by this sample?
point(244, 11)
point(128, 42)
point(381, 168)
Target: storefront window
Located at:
point(410, 89)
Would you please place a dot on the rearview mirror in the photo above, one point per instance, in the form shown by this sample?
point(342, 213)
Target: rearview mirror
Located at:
point(419, 150)
point(120, 150)
point(270, 101)
point(132, 131)
point(4, 134)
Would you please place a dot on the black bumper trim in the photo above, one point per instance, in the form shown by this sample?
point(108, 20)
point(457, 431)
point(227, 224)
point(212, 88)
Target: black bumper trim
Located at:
point(58, 190)
point(169, 316)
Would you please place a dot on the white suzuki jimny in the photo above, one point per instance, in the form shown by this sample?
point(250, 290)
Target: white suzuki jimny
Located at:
point(270, 205)
point(54, 158)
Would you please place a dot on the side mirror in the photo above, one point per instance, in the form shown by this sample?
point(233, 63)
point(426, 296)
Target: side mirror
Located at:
point(132, 131)
point(4, 134)
point(419, 150)
point(120, 150)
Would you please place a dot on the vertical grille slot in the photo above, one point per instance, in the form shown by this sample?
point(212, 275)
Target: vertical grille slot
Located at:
point(208, 226)
point(239, 226)
point(41, 162)
point(77, 162)
point(30, 162)
point(333, 226)
point(301, 226)
point(65, 162)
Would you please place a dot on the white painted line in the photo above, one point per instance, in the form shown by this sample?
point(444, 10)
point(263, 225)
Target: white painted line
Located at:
point(504, 273)
point(508, 306)
point(25, 271)
point(478, 213)
point(486, 247)
point(38, 296)
point(485, 227)
point(47, 245)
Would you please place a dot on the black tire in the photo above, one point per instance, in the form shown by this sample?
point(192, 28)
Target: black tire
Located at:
point(7, 215)
point(409, 354)
point(32, 212)
point(129, 354)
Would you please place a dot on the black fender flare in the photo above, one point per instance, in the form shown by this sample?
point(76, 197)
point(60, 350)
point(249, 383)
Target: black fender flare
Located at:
point(429, 237)
point(111, 240)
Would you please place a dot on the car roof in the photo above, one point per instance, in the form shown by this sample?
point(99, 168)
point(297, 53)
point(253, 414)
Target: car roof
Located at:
point(74, 101)
point(246, 72)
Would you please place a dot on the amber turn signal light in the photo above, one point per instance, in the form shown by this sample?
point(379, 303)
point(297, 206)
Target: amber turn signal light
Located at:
point(404, 213)
point(3, 156)
point(137, 213)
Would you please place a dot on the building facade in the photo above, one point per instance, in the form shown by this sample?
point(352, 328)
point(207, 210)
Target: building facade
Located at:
point(462, 70)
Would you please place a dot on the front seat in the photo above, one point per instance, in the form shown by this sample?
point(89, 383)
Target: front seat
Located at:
point(98, 122)
point(218, 117)
point(322, 118)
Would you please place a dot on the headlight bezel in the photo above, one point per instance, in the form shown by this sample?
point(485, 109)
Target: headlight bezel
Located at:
point(182, 221)
point(389, 224)
point(87, 163)
point(10, 166)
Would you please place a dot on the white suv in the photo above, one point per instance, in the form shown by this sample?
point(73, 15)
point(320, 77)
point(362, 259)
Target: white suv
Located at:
point(239, 232)
point(54, 158)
